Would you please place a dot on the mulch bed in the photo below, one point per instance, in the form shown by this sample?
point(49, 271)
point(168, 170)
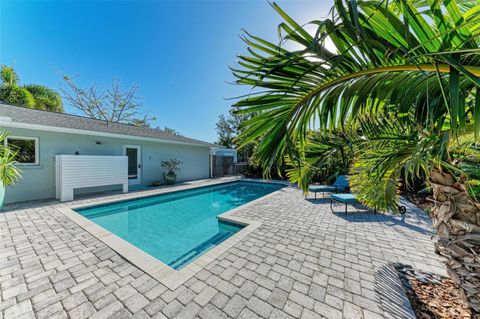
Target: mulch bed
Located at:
point(418, 199)
point(432, 296)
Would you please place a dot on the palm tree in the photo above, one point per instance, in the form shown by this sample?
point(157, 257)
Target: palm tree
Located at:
point(31, 95)
point(9, 173)
point(45, 98)
point(11, 93)
point(409, 67)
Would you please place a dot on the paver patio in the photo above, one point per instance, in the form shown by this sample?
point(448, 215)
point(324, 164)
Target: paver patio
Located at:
point(303, 262)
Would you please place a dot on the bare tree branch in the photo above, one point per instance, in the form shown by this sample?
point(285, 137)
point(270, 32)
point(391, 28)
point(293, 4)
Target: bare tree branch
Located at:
point(110, 105)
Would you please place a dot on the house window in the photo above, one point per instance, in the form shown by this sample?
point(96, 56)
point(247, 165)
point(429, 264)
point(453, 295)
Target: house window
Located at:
point(26, 148)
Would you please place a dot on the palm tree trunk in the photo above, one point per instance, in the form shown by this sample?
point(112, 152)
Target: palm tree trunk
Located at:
point(456, 218)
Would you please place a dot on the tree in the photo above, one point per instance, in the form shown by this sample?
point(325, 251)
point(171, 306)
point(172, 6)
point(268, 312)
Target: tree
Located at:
point(31, 95)
point(45, 98)
point(225, 132)
point(403, 76)
point(171, 131)
point(110, 105)
point(229, 129)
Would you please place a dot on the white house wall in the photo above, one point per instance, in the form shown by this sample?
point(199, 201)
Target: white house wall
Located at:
point(38, 182)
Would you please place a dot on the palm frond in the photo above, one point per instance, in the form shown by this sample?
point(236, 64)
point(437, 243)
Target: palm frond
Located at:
point(322, 157)
point(387, 56)
point(9, 173)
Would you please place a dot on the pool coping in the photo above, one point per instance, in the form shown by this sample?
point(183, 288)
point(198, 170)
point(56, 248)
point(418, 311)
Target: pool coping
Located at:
point(165, 274)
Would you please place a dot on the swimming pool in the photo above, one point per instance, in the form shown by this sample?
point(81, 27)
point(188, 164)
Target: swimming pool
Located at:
point(178, 227)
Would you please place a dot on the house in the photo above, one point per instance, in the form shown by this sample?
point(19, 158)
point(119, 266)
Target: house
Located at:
point(41, 135)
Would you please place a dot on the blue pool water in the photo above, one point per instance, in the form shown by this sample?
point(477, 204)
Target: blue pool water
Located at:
point(177, 227)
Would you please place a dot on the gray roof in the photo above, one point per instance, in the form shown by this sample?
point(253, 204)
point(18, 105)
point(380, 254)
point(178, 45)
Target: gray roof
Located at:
point(39, 117)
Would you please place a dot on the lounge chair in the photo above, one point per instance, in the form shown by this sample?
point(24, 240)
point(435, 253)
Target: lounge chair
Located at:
point(343, 198)
point(351, 199)
point(340, 185)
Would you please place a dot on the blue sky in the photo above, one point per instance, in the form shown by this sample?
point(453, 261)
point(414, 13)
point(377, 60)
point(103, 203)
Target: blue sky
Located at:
point(178, 52)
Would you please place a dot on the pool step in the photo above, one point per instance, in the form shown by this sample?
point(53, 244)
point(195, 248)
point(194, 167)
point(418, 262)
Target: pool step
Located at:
point(200, 249)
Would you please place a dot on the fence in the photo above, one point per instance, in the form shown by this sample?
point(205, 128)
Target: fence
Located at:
point(222, 166)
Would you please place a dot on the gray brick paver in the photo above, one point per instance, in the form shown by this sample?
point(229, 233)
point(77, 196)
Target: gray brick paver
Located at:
point(286, 283)
point(371, 315)
point(83, 285)
point(159, 316)
point(108, 310)
point(205, 296)
point(293, 309)
point(211, 312)
point(14, 291)
point(31, 315)
point(302, 262)
point(50, 300)
point(189, 312)
point(278, 314)
point(247, 289)
point(198, 286)
point(136, 302)
point(124, 292)
point(155, 292)
point(48, 311)
point(301, 299)
point(259, 307)
point(226, 288)
point(220, 300)
point(308, 314)
point(64, 284)
point(352, 311)
point(169, 295)
point(278, 298)
point(317, 292)
point(97, 291)
point(104, 301)
point(262, 293)
point(172, 309)
point(82, 311)
point(140, 315)
point(186, 296)
point(327, 311)
point(334, 301)
point(155, 306)
point(73, 300)
point(248, 314)
point(234, 306)
point(18, 309)
point(121, 314)
point(11, 282)
point(301, 288)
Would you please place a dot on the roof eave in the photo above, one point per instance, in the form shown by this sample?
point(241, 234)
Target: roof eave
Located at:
point(7, 122)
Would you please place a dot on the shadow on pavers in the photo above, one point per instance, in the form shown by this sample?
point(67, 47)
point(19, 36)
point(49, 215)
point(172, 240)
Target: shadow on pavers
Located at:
point(390, 289)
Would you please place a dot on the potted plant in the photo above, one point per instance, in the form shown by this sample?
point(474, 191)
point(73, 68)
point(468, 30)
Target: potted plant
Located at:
point(171, 166)
point(9, 174)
